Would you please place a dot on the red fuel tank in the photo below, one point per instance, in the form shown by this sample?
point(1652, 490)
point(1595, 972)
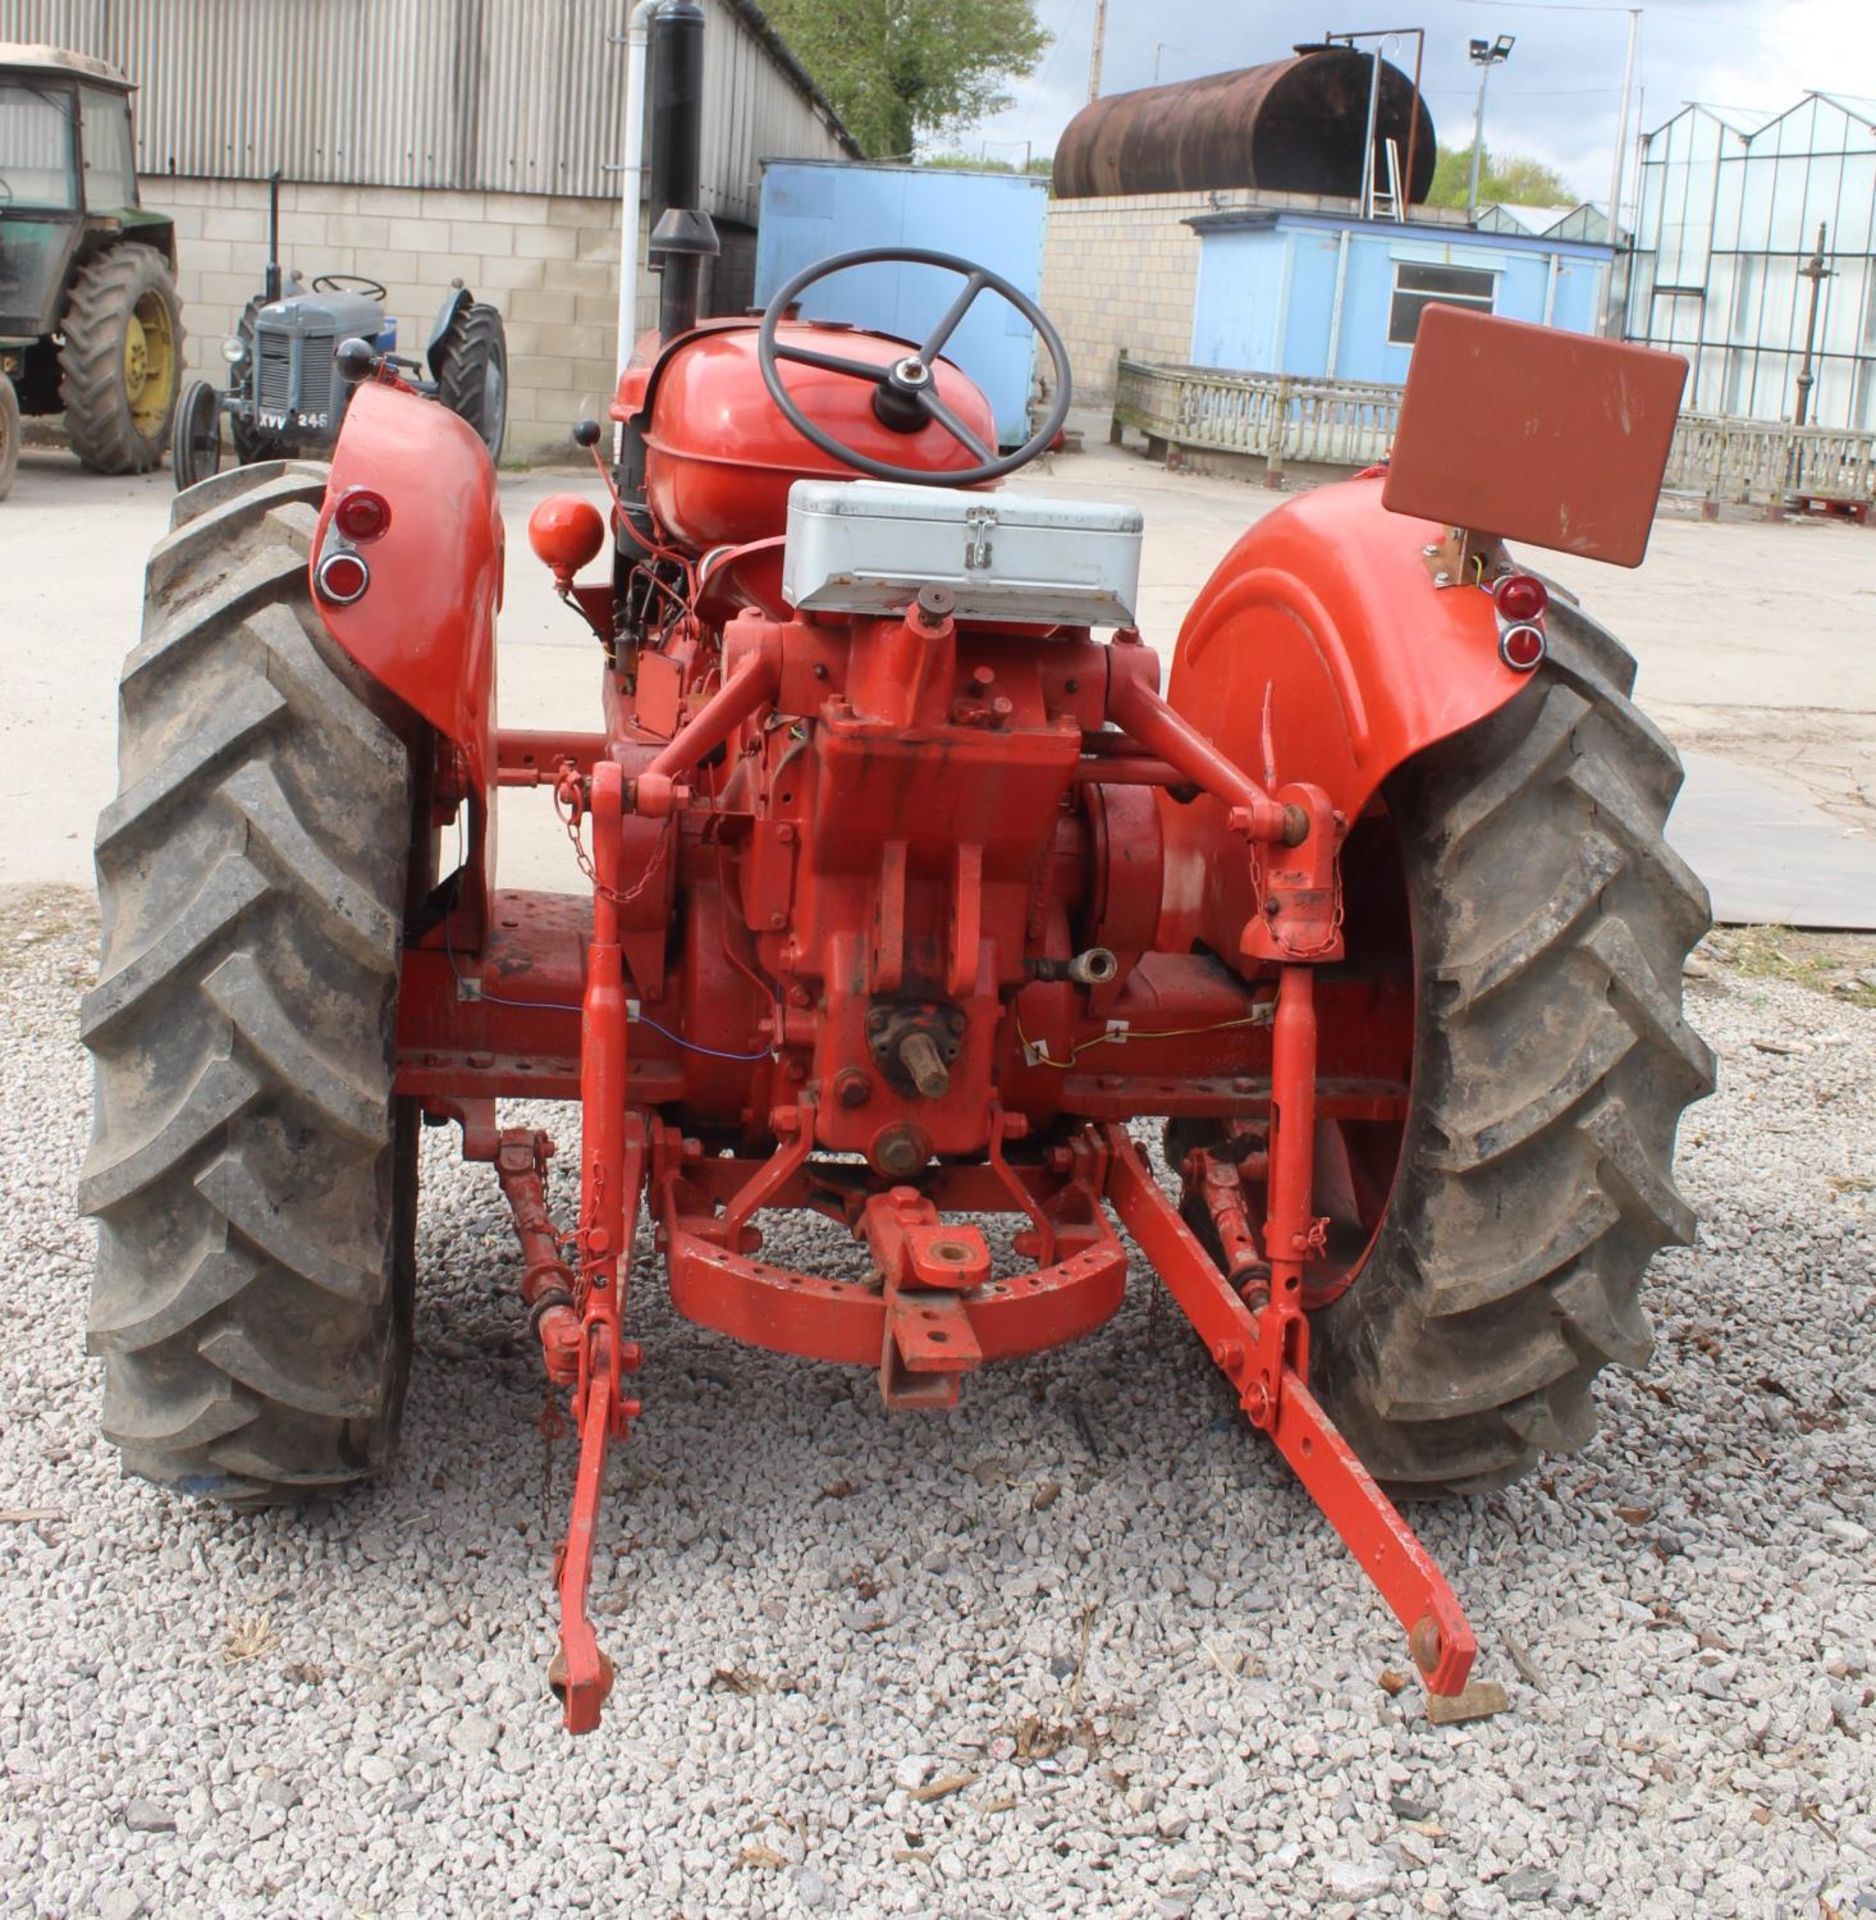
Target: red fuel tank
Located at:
point(720, 457)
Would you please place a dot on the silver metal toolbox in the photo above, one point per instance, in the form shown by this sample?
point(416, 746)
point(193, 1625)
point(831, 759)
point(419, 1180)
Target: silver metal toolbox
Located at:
point(867, 546)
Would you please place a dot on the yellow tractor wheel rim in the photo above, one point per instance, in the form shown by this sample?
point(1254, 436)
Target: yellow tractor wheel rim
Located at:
point(149, 364)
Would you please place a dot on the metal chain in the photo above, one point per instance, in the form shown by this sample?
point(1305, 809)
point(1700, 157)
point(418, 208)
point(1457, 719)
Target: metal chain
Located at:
point(570, 819)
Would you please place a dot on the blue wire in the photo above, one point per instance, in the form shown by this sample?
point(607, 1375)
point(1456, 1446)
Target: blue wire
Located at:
point(560, 1006)
point(696, 1046)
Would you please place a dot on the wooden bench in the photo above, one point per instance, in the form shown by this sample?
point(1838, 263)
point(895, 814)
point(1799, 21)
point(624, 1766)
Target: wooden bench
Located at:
point(1830, 506)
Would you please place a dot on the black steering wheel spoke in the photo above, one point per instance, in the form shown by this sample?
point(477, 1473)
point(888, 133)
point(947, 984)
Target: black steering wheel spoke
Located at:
point(907, 397)
point(830, 362)
point(942, 332)
point(955, 427)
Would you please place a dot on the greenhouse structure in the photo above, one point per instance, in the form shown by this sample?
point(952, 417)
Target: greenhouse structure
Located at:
point(1753, 236)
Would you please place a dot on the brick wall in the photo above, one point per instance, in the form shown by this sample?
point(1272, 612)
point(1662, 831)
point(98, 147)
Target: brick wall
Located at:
point(1121, 271)
point(550, 264)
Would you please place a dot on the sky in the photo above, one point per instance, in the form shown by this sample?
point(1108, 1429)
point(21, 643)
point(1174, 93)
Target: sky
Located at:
point(1555, 99)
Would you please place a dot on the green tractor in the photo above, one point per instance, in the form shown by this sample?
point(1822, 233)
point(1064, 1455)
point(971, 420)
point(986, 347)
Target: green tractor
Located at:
point(90, 321)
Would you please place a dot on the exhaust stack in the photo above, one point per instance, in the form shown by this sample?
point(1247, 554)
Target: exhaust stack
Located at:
point(683, 236)
point(272, 283)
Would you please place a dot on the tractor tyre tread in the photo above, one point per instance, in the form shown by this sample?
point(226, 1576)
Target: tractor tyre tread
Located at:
point(9, 435)
point(98, 420)
point(475, 337)
point(252, 1173)
point(1552, 1064)
point(184, 465)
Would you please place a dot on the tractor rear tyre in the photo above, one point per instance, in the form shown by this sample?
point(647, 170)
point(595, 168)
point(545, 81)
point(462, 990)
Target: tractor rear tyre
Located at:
point(472, 373)
point(121, 366)
point(253, 1176)
point(1549, 919)
point(9, 435)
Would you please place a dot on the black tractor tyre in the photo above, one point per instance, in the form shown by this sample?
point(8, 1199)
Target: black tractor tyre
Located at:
point(472, 373)
point(195, 445)
point(9, 435)
point(1552, 1063)
point(252, 1174)
point(120, 370)
point(250, 444)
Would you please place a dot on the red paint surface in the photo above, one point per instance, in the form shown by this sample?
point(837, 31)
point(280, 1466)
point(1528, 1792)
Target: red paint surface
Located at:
point(425, 627)
point(809, 838)
point(721, 457)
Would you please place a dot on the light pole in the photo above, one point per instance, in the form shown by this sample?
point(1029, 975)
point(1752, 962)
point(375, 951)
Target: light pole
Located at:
point(1485, 55)
point(1815, 271)
point(1618, 174)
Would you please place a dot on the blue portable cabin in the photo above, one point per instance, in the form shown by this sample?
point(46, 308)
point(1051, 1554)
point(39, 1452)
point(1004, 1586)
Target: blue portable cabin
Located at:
point(811, 209)
point(1328, 296)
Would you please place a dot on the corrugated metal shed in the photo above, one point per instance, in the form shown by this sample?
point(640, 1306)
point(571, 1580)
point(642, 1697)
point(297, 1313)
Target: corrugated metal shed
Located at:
point(524, 96)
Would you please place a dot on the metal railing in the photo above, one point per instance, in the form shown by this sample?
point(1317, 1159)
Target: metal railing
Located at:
point(1350, 423)
point(1276, 417)
point(1742, 461)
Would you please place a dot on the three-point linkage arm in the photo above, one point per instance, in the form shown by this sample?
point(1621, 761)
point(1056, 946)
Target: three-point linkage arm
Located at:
point(612, 1173)
point(1251, 1317)
point(1260, 1339)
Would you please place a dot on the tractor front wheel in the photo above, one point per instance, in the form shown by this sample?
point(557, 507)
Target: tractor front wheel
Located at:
point(252, 1173)
point(195, 447)
point(121, 366)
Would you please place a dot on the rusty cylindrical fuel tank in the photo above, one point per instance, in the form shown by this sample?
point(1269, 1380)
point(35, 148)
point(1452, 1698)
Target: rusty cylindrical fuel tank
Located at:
point(1293, 126)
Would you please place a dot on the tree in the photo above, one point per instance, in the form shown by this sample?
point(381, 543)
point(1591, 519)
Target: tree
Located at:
point(1515, 179)
point(1042, 163)
point(896, 69)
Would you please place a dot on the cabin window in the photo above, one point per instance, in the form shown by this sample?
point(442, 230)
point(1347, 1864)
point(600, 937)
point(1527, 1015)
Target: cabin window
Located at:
point(36, 169)
point(110, 162)
point(1418, 286)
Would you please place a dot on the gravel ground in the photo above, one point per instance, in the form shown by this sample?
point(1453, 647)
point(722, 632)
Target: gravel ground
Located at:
point(1081, 1647)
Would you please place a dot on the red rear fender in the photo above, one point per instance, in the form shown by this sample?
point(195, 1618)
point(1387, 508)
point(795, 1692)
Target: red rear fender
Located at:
point(1322, 650)
point(425, 626)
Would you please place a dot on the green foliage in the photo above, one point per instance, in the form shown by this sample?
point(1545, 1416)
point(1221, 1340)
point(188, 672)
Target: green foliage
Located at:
point(1043, 164)
point(896, 69)
point(1514, 179)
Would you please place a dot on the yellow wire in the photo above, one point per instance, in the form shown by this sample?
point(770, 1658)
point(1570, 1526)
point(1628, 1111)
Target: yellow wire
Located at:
point(1043, 1058)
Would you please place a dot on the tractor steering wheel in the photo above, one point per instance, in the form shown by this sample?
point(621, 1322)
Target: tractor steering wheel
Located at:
point(908, 388)
point(349, 283)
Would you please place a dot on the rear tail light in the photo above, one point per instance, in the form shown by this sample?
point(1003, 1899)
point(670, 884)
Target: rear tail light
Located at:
point(1521, 596)
point(341, 577)
point(362, 514)
point(1521, 647)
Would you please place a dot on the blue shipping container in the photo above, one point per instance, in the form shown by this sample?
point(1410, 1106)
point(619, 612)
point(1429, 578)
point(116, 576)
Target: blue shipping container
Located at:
point(1321, 297)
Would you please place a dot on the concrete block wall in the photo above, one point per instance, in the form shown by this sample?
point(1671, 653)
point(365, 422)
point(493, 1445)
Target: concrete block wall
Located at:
point(550, 264)
point(1122, 270)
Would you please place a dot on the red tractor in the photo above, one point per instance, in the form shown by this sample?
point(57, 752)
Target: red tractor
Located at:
point(908, 899)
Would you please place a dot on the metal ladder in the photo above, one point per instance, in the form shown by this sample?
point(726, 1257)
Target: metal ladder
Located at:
point(1386, 206)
